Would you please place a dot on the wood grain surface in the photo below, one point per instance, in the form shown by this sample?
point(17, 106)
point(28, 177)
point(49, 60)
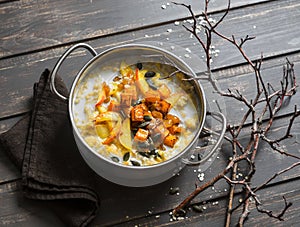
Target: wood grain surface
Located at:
point(34, 34)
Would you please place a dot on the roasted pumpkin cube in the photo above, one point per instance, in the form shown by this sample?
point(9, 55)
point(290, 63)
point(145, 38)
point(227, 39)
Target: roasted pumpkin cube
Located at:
point(168, 123)
point(157, 114)
point(137, 113)
point(175, 129)
point(170, 140)
point(143, 106)
point(162, 106)
point(141, 135)
point(173, 118)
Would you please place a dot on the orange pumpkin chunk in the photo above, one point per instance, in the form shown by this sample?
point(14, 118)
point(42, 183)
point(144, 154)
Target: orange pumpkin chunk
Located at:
point(141, 135)
point(170, 140)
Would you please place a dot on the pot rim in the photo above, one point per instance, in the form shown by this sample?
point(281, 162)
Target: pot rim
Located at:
point(136, 45)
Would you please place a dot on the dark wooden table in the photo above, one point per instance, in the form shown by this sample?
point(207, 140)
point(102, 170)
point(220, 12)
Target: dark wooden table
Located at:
point(34, 34)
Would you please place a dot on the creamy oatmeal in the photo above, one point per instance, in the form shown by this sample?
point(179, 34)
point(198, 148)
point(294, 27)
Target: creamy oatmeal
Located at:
point(134, 115)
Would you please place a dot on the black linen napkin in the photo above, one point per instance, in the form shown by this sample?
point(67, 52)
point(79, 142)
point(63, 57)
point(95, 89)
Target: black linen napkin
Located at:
point(43, 148)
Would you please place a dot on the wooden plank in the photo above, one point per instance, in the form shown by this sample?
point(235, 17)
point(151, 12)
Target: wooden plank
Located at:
point(153, 205)
point(7, 1)
point(8, 170)
point(8, 123)
point(17, 94)
point(134, 203)
point(214, 214)
point(128, 206)
point(235, 109)
point(28, 25)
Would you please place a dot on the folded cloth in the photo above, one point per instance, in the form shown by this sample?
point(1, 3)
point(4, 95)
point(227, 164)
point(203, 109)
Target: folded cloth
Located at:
point(43, 148)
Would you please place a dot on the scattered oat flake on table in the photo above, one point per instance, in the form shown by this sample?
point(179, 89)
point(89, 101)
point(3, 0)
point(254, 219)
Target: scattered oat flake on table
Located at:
point(176, 23)
point(201, 178)
point(190, 21)
point(188, 50)
point(163, 6)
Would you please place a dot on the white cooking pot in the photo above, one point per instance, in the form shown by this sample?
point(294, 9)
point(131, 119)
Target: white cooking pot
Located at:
point(136, 176)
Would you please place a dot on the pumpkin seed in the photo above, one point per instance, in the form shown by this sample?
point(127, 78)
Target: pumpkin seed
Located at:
point(181, 213)
point(144, 124)
point(147, 118)
point(197, 208)
point(155, 153)
point(139, 65)
point(126, 156)
point(115, 159)
point(135, 163)
point(144, 154)
point(150, 74)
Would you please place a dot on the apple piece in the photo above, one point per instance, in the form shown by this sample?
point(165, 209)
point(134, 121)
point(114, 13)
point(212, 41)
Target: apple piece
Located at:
point(125, 134)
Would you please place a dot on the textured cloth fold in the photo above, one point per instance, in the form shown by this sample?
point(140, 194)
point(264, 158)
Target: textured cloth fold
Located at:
point(42, 146)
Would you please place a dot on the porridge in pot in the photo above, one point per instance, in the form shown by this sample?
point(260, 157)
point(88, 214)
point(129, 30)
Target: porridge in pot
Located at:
point(136, 114)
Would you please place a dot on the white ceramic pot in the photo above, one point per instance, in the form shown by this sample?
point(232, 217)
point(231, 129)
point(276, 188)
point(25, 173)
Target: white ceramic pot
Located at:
point(136, 176)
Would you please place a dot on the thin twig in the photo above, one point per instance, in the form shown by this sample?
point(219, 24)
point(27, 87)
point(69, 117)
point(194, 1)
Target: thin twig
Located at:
point(260, 111)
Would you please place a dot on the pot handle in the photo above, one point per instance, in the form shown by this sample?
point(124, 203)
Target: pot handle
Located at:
point(61, 60)
point(221, 118)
